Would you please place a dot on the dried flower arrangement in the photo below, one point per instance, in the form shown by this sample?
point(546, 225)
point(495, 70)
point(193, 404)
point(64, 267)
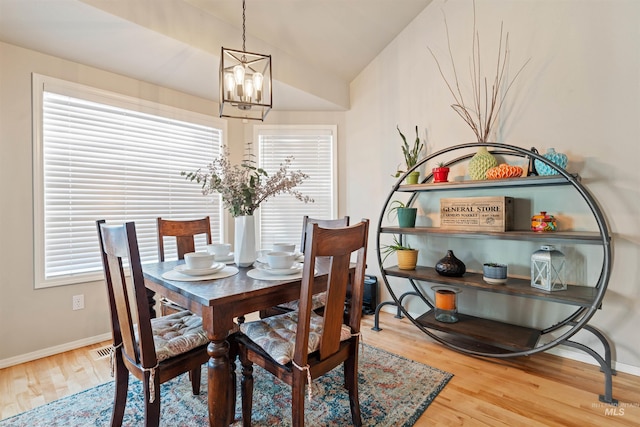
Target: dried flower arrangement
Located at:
point(245, 186)
point(482, 113)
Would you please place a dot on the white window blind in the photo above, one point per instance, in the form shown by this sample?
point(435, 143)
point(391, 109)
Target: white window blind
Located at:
point(314, 152)
point(98, 160)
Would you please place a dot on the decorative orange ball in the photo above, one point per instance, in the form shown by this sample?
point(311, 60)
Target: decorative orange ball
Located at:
point(504, 171)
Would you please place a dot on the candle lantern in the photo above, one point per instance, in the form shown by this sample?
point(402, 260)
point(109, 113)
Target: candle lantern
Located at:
point(446, 304)
point(547, 269)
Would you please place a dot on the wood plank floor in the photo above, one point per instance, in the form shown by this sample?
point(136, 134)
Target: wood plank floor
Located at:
point(539, 390)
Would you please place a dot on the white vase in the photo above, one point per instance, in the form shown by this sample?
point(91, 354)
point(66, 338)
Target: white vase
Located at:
point(244, 248)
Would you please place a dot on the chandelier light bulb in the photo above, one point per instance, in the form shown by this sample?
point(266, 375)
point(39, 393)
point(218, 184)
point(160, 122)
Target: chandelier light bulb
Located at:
point(248, 89)
point(257, 84)
point(238, 74)
point(229, 84)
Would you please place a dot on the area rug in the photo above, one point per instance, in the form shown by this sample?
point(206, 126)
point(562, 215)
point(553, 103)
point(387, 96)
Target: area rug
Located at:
point(394, 391)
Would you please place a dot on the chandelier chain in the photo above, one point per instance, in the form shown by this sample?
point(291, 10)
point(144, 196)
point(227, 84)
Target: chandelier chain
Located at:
point(244, 28)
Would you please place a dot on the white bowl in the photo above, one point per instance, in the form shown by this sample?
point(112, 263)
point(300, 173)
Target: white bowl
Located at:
point(220, 250)
point(280, 260)
point(197, 260)
point(284, 247)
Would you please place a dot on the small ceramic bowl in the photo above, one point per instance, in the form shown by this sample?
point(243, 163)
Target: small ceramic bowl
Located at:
point(220, 250)
point(280, 260)
point(197, 260)
point(284, 247)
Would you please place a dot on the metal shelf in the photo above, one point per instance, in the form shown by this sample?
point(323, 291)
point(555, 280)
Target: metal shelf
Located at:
point(488, 332)
point(576, 237)
point(582, 296)
point(549, 180)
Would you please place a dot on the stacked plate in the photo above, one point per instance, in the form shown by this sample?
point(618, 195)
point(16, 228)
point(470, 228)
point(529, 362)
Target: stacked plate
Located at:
point(215, 267)
point(295, 268)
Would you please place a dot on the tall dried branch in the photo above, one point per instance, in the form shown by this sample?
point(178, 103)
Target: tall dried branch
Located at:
point(481, 114)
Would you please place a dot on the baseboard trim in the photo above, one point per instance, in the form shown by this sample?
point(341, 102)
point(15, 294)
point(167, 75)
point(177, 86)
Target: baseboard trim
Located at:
point(45, 352)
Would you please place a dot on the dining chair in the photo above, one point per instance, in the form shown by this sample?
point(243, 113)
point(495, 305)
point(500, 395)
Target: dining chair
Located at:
point(319, 299)
point(152, 350)
point(184, 232)
point(301, 345)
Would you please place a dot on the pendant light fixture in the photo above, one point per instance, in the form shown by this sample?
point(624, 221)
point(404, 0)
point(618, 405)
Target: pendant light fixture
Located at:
point(245, 82)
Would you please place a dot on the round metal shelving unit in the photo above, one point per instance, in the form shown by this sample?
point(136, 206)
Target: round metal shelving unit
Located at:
point(574, 322)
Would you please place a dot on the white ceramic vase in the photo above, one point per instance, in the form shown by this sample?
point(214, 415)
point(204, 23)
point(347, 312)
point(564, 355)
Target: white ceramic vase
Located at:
point(244, 248)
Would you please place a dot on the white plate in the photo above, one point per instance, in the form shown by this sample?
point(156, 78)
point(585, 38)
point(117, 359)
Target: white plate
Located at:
point(295, 268)
point(227, 258)
point(215, 267)
point(494, 281)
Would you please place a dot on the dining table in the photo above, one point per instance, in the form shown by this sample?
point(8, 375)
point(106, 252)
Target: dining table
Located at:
point(220, 302)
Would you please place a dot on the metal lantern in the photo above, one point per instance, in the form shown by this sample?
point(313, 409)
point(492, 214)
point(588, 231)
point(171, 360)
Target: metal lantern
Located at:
point(547, 269)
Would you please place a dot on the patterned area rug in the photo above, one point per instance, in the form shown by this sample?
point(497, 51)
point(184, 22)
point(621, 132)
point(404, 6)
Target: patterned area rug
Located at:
point(394, 391)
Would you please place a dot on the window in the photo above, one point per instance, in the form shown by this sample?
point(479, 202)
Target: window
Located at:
point(99, 155)
point(314, 152)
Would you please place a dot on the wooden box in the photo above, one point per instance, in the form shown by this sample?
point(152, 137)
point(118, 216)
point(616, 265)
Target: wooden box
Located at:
point(477, 213)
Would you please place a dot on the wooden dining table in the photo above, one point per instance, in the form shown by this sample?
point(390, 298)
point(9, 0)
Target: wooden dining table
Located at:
point(220, 302)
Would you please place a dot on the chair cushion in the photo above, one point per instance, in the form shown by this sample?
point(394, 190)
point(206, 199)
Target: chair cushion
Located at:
point(277, 334)
point(317, 301)
point(177, 333)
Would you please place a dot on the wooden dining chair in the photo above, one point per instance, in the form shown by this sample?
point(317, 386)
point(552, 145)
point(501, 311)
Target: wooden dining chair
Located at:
point(301, 345)
point(153, 350)
point(184, 232)
point(319, 299)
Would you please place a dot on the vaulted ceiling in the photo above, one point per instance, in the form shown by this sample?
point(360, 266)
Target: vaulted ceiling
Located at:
point(318, 46)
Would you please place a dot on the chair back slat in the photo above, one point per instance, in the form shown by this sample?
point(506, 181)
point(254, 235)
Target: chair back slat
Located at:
point(338, 244)
point(128, 301)
point(184, 232)
point(324, 223)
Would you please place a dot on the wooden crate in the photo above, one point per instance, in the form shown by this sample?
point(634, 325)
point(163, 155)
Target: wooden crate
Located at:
point(477, 213)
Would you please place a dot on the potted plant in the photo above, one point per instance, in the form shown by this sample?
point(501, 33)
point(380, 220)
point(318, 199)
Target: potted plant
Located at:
point(494, 273)
point(406, 215)
point(407, 257)
point(411, 156)
point(440, 173)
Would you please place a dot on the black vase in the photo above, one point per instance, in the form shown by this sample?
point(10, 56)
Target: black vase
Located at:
point(450, 266)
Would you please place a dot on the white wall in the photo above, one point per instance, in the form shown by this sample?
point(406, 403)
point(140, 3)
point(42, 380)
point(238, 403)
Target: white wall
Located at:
point(580, 93)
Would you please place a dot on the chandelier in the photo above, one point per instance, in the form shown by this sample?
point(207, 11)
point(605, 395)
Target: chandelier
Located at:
point(245, 82)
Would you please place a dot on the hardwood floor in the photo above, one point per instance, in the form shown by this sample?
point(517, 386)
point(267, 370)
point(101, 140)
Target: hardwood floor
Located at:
point(540, 390)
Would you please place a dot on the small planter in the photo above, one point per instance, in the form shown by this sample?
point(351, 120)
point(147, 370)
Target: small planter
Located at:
point(407, 217)
point(413, 177)
point(494, 273)
point(440, 174)
point(407, 259)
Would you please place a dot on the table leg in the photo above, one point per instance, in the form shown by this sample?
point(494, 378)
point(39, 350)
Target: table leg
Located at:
point(220, 384)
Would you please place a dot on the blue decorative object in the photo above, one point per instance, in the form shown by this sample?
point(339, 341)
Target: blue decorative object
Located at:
point(557, 158)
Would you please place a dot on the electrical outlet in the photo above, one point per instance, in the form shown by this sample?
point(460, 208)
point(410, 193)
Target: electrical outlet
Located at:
point(78, 302)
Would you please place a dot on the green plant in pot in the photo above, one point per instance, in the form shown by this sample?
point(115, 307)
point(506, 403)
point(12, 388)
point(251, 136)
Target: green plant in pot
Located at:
point(411, 156)
point(440, 173)
point(406, 215)
point(407, 256)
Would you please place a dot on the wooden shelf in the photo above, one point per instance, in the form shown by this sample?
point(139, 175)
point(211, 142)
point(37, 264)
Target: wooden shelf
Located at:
point(582, 296)
point(486, 332)
point(549, 180)
point(575, 237)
